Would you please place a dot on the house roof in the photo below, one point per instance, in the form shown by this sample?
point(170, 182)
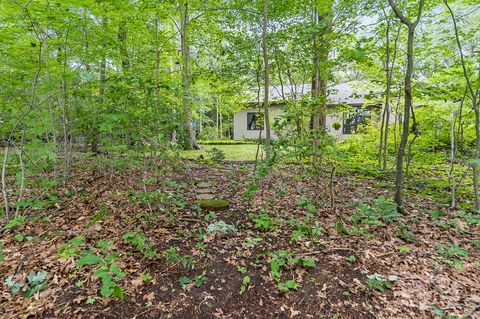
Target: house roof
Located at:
point(353, 92)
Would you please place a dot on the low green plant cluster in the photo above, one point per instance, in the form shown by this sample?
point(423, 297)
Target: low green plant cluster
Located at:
point(216, 154)
point(262, 221)
point(34, 282)
point(382, 210)
point(283, 260)
point(172, 256)
point(451, 254)
point(305, 203)
point(305, 229)
point(103, 263)
point(378, 282)
point(140, 242)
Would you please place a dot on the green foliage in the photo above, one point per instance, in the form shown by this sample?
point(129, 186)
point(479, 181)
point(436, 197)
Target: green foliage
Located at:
point(70, 249)
point(351, 259)
point(172, 256)
point(245, 283)
point(226, 142)
point(472, 219)
point(285, 260)
point(305, 229)
point(377, 282)
point(15, 222)
point(101, 214)
point(140, 242)
point(307, 204)
point(216, 155)
point(252, 187)
point(107, 270)
point(288, 285)
point(381, 210)
point(262, 221)
point(35, 282)
point(451, 254)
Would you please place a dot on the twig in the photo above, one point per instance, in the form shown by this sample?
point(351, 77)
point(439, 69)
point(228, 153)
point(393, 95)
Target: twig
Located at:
point(326, 251)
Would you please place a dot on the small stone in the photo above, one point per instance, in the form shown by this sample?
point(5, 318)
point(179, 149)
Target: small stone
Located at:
point(205, 196)
point(203, 185)
point(204, 191)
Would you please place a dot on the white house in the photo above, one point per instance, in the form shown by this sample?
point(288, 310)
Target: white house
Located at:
point(354, 94)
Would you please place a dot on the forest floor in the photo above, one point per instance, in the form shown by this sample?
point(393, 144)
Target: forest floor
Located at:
point(279, 251)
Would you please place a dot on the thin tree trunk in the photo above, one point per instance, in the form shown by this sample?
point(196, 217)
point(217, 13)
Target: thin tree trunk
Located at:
point(187, 93)
point(101, 91)
point(4, 183)
point(399, 177)
point(266, 79)
point(476, 108)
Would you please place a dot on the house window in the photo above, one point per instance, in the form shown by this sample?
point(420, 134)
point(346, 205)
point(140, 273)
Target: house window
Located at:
point(355, 119)
point(254, 121)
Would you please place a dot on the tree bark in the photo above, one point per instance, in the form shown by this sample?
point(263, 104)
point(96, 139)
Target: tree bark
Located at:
point(191, 142)
point(399, 176)
point(474, 95)
point(266, 80)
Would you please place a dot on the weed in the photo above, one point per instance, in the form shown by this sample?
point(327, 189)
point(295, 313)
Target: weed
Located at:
point(101, 214)
point(17, 221)
point(172, 256)
point(262, 221)
point(35, 282)
point(245, 283)
point(381, 210)
point(377, 282)
point(451, 254)
point(284, 259)
point(303, 229)
point(70, 249)
point(288, 285)
point(216, 154)
point(351, 259)
point(306, 203)
point(140, 242)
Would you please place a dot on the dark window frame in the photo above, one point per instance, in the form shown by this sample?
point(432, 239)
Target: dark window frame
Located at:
point(354, 119)
point(253, 119)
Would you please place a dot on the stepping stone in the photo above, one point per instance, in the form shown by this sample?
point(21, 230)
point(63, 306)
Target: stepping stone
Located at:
point(205, 196)
point(214, 204)
point(204, 191)
point(203, 185)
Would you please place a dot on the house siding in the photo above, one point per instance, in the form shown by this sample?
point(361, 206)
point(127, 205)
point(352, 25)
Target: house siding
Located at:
point(240, 131)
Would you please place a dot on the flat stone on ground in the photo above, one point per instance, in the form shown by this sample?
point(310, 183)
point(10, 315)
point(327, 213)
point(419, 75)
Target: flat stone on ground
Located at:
point(204, 190)
point(203, 185)
point(205, 196)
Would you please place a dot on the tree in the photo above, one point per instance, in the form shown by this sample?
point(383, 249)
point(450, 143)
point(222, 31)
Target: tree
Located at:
point(474, 94)
point(411, 26)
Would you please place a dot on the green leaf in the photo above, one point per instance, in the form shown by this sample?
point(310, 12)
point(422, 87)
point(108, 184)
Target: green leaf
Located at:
point(308, 262)
point(88, 258)
point(184, 281)
point(118, 292)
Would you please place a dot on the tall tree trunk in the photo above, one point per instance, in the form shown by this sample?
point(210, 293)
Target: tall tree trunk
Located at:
point(4, 182)
point(474, 95)
point(266, 80)
point(399, 176)
point(101, 91)
point(187, 92)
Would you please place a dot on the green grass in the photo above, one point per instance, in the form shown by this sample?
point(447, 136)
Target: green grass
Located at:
point(232, 152)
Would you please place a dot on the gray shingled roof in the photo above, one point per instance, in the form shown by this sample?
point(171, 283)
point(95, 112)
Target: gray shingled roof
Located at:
point(353, 92)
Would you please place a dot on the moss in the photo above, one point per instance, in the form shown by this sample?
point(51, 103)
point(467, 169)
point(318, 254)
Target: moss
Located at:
point(214, 204)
